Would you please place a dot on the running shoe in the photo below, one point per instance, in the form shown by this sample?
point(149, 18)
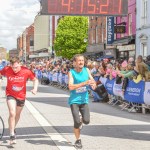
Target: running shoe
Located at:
point(78, 144)
point(12, 139)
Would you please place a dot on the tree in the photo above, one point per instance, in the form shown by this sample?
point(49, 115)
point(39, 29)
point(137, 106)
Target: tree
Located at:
point(70, 36)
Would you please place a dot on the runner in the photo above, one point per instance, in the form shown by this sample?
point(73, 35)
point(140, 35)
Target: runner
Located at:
point(17, 76)
point(79, 80)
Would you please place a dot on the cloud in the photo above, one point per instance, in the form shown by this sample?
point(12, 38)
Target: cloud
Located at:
point(15, 16)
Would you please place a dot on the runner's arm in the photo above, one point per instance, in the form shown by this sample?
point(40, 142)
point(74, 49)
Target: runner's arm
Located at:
point(35, 85)
point(92, 83)
point(75, 86)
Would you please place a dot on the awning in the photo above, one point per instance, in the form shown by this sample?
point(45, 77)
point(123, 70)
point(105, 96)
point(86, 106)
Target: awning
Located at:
point(92, 53)
point(105, 57)
point(122, 41)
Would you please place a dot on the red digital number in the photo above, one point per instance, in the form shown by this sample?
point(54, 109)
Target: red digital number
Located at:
point(82, 4)
point(66, 4)
point(52, 5)
point(91, 5)
point(77, 6)
point(104, 6)
point(119, 6)
point(116, 6)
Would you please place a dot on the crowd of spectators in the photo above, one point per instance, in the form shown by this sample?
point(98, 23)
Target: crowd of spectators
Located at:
point(122, 70)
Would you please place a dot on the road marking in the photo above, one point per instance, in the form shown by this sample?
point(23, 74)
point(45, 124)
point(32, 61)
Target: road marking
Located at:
point(57, 138)
point(144, 132)
point(29, 95)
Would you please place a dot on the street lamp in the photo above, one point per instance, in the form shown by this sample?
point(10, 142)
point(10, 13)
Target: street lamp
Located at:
point(85, 40)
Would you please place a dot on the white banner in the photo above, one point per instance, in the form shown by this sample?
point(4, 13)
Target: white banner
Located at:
point(60, 78)
point(54, 77)
point(66, 79)
point(117, 90)
point(147, 93)
point(103, 80)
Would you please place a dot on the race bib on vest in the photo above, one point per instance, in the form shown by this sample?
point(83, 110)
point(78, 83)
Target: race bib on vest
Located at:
point(81, 90)
point(17, 89)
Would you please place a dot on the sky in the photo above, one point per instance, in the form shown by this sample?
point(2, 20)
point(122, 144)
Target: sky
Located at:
point(15, 16)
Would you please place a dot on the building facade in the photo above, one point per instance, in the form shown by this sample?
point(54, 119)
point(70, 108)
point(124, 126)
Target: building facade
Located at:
point(3, 53)
point(20, 46)
point(96, 35)
point(126, 32)
point(13, 53)
point(41, 34)
point(29, 40)
point(143, 28)
point(44, 35)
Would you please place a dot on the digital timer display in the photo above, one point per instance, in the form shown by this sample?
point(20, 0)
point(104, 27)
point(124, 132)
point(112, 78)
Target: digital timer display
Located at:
point(84, 7)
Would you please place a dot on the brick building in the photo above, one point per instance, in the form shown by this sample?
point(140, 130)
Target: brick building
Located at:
point(13, 53)
point(3, 53)
point(20, 46)
point(25, 43)
point(96, 35)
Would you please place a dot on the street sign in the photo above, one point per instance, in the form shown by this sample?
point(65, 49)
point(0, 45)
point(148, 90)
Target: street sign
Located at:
point(84, 7)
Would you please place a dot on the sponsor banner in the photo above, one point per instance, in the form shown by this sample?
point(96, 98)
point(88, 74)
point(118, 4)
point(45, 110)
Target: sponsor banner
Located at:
point(147, 93)
point(60, 78)
point(103, 80)
point(117, 90)
point(66, 79)
point(54, 77)
point(110, 30)
point(135, 92)
point(109, 86)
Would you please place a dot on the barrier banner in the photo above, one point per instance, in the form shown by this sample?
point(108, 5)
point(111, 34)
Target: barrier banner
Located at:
point(60, 78)
point(109, 86)
point(135, 92)
point(54, 77)
point(50, 76)
point(66, 79)
point(103, 80)
point(147, 93)
point(117, 90)
point(63, 78)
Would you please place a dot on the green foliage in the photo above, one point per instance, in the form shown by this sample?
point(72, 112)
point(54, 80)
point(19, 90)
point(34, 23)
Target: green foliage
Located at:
point(70, 35)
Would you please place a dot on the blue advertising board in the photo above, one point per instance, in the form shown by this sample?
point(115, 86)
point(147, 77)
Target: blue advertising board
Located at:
point(110, 30)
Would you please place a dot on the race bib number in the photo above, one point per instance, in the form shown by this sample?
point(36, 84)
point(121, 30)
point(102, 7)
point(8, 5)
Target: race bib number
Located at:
point(81, 90)
point(17, 89)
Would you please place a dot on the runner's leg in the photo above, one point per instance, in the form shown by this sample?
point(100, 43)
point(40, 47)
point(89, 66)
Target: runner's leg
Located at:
point(11, 103)
point(85, 112)
point(19, 108)
point(76, 118)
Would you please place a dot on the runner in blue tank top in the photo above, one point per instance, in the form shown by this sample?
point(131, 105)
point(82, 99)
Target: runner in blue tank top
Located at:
point(79, 80)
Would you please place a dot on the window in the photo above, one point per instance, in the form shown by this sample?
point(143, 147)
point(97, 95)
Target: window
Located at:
point(144, 12)
point(143, 45)
point(31, 41)
point(130, 24)
point(96, 34)
point(93, 36)
point(122, 20)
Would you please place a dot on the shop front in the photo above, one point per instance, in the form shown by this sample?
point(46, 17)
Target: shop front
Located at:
point(126, 51)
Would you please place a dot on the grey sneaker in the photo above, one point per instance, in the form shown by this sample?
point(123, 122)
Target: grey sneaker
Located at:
point(12, 139)
point(78, 144)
